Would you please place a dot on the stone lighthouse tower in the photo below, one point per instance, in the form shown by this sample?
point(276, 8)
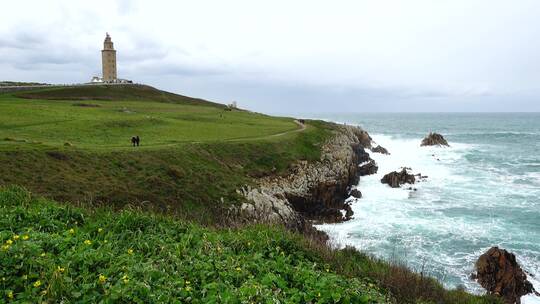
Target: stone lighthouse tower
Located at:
point(108, 59)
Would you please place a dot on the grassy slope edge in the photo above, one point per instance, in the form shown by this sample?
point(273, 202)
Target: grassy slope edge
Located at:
point(114, 93)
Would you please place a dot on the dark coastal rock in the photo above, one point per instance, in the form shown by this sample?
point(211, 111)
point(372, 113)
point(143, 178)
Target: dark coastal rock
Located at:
point(420, 176)
point(361, 155)
point(380, 149)
point(499, 273)
point(355, 193)
point(396, 179)
point(363, 138)
point(348, 212)
point(368, 168)
point(434, 139)
point(313, 191)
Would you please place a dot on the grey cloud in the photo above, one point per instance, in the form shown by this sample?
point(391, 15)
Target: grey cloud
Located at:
point(429, 63)
point(162, 67)
point(21, 40)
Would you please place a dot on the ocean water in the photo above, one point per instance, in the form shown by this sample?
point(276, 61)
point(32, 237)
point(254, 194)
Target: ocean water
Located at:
point(483, 191)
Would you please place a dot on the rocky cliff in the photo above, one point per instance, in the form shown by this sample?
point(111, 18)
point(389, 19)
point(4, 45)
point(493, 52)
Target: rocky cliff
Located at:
point(498, 271)
point(313, 191)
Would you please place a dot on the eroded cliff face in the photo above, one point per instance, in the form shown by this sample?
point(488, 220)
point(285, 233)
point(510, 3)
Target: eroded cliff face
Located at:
point(313, 191)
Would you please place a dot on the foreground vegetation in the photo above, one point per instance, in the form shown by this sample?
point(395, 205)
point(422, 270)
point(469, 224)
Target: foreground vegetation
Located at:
point(59, 253)
point(52, 253)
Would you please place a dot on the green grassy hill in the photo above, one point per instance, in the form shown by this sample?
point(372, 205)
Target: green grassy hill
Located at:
point(110, 115)
point(115, 93)
point(193, 154)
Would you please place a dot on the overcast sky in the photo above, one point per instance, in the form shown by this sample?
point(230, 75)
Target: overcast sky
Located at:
point(301, 56)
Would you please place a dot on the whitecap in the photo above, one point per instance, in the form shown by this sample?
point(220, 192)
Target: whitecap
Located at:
point(452, 218)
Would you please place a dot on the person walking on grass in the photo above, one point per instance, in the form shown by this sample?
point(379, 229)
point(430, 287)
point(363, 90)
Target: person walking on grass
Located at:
point(135, 140)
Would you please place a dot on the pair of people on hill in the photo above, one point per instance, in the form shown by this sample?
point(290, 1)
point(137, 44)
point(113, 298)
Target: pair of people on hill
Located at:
point(135, 140)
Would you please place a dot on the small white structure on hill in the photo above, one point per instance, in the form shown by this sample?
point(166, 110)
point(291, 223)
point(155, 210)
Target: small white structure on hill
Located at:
point(96, 79)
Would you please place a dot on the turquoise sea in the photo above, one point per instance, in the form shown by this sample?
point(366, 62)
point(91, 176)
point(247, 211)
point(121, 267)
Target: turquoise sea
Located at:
point(483, 191)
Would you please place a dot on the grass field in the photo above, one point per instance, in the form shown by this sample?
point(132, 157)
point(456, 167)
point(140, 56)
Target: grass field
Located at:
point(110, 119)
point(73, 144)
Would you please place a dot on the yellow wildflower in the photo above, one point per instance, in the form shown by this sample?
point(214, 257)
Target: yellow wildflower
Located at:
point(125, 278)
point(10, 294)
point(43, 254)
point(25, 237)
point(88, 242)
point(72, 231)
point(5, 247)
point(188, 288)
point(60, 269)
point(130, 251)
point(238, 269)
point(9, 242)
point(187, 283)
point(16, 237)
point(100, 230)
point(37, 283)
point(102, 279)
point(249, 243)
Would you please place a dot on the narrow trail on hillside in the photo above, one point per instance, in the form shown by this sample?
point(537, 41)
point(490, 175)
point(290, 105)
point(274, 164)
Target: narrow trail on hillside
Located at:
point(301, 128)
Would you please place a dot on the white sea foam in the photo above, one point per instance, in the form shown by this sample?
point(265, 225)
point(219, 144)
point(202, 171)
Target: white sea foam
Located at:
point(436, 224)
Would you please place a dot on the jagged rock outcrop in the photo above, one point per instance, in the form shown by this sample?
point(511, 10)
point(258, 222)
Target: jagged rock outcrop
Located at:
point(434, 139)
point(499, 273)
point(355, 193)
point(315, 191)
point(396, 179)
point(380, 149)
point(363, 138)
point(368, 167)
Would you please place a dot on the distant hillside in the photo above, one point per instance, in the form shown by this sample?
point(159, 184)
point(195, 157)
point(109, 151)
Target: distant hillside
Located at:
point(18, 83)
point(114, 92)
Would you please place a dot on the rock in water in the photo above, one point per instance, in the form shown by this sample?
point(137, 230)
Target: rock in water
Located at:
point(368, 168)
point(498, 271)
point(434, 139)
point(396, 179)
point(355, 193)
point(380, 149)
